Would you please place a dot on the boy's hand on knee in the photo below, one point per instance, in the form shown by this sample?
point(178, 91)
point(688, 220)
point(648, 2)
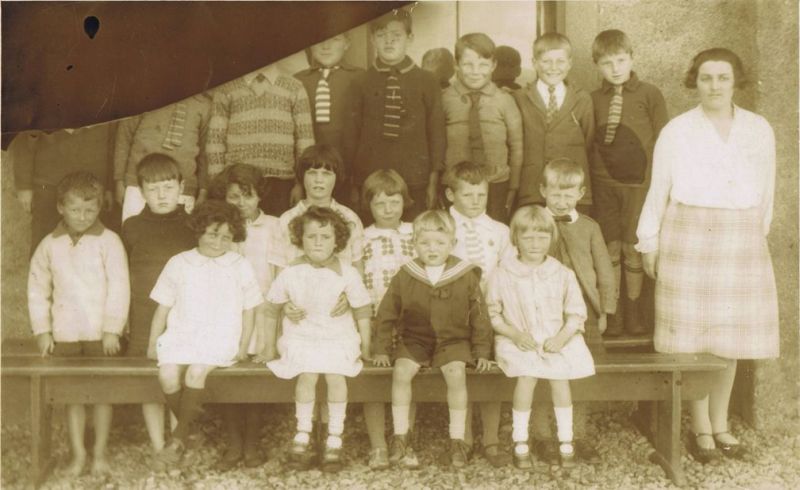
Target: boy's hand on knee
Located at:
point(25, 198)
point(483, 365)
point(341, 307)
point(293, 313)
point(44, 341)
point(602, 323)
point(382, 360)
point(110, 344)
point(650, 264)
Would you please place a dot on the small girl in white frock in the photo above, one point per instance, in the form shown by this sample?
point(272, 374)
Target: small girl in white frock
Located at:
point(319, 343)
point(206, 302)
point(537, 311)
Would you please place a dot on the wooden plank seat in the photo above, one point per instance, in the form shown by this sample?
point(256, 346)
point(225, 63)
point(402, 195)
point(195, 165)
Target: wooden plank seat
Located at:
point(660, 381)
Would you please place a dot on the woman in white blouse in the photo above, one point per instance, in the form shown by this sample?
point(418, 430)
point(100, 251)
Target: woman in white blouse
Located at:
point(702, 233)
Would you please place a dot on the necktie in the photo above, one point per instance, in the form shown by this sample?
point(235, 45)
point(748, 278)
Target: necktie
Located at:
point(393, 105)
point(475, 135)
point(177, 123)
point(473, 245)
point(614, 115)
point(552, 104)
point(322, 98)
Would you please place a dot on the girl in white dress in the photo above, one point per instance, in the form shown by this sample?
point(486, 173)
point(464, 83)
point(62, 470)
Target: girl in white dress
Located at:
point(206, 302)
point(537, 311)
point(319, 343)
point(244, 186)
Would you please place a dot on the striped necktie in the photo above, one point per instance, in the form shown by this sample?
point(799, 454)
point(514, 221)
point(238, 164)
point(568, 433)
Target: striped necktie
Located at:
point(552, 104)
point(322, 98)
point(473, 244)
point(393, 105)
point(614, 115)
point(177, 124)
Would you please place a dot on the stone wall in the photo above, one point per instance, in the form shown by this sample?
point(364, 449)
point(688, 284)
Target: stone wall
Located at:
point(665, 36)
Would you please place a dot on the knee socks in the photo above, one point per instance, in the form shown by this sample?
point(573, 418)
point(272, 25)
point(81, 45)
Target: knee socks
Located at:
point(520, 420)
point(458, 422)
point(400, 419)
point(190, 408)
point(564, 423)
point(337, 411)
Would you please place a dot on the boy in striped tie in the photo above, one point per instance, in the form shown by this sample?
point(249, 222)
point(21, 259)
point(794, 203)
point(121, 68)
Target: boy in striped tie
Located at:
point(484, 242)
point(331, 83)
point(398, 121)
point(629, 115)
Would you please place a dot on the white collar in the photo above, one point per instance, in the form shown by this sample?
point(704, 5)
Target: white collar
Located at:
point(270, 75)
point(302, 206)
point(261, 220)
point(518, 268)
point(482, 219)
point(544, 89)
point(573, 215)
point(372, 232)
point(194, 257)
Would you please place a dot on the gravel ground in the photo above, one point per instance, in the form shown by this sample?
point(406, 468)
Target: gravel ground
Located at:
point(774, 461)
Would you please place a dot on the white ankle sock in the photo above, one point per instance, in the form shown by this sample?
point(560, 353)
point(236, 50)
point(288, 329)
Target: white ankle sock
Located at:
point(304, 412)
point(458, 423)
point(520, 420)
point(337, 411)
point(400, 419)
point(564, 423)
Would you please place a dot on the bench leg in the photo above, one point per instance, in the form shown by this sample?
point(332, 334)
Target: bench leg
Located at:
point(41, 425)
point(666, 431)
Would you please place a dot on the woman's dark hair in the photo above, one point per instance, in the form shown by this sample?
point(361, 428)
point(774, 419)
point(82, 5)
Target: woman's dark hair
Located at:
point(217, 212)
point(248, 177)
point(716, 54)
point(323, 216)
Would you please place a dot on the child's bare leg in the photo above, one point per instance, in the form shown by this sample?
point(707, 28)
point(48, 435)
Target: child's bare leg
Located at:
point(153, 414)
point(562, 406)
point(76, 426)
point(710, 415)
point(102, 426)
point(402, 375)
point(455, 376)
point(337, 408)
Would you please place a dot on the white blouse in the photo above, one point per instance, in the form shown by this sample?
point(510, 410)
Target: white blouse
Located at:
point(694, 166)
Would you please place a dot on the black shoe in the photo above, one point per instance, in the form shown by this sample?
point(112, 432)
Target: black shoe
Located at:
point(736, 450)
point(633, 317)
point(230, 459)
point(459, 453)
point(701, 454)
point(301, 455)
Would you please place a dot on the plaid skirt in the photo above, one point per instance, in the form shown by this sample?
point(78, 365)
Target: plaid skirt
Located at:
point(715, 290)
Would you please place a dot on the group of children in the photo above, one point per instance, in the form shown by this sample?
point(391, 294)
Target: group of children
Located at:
point(237, 278)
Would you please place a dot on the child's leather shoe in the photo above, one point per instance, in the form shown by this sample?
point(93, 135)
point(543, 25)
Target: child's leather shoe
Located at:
point(459, 451)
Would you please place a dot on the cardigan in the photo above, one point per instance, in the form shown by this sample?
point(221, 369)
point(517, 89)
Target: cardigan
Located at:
point(45, 158)
point(627, 161)
point(78, 286)
point(501, 130)
point(419, 150)
point(147, 133)
point(580, 246)
point(569, 135)
point(344, 82)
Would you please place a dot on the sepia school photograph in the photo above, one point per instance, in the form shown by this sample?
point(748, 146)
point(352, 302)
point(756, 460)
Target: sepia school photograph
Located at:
point(437, 244)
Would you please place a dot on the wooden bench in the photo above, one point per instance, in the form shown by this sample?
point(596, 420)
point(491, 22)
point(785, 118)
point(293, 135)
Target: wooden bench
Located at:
point(660, 381)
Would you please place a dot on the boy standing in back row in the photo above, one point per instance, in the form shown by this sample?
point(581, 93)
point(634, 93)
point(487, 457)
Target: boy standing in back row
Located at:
point(629, 115)
point(398, 122)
